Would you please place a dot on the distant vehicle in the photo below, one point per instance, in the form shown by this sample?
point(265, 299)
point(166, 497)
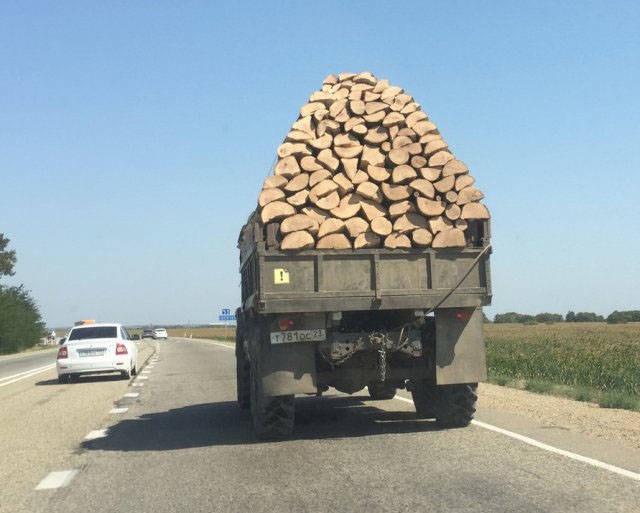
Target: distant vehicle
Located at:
point(147, 334)
point(160, 333)
point(96, 349)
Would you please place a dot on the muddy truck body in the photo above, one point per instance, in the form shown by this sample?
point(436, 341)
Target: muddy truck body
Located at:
point(384, 319)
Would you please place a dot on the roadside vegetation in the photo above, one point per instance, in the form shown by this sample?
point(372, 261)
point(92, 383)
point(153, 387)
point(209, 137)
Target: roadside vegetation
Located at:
point(594, 362)
point(21, 326)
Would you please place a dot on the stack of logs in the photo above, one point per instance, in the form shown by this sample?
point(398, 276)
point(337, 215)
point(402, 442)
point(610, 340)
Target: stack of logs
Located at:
point(364, 167)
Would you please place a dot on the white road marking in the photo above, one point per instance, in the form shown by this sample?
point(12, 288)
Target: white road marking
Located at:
point(540, 445)
point(25, 374)
point(58, 479)
point(142, 377)
point(131, 394)
point(222, 345)
point(118, 410)
point(138, 384)
point(146, 372)
point(98, 433)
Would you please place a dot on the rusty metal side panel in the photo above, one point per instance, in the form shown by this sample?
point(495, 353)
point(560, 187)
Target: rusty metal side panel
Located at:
point(460, 350)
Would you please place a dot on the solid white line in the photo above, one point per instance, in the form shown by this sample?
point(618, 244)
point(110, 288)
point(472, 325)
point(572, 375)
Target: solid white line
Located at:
point(58, 479)
point(131, 394)
point(118, 410)
point(25, 376)
point(540, 445)
point(27, 372)
point(222, 345)
point(98, 433)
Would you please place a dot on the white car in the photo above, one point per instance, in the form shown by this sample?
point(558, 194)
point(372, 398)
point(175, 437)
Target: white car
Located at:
point(160, 333)
point(97, 348)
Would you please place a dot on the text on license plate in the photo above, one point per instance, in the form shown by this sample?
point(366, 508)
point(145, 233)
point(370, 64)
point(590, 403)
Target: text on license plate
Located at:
point(284, 337)
point(91, 352)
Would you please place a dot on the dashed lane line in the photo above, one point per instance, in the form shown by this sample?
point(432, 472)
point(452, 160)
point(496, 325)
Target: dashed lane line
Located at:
point(540, 445)
point(98, 433)
point(57, 479)
point(131, 394)
point(118, 410)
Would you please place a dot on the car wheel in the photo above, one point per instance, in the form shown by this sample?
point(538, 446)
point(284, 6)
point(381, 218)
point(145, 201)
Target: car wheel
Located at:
point(73, 378)
point(63, 378)
point(134, 370)
point(125, 374)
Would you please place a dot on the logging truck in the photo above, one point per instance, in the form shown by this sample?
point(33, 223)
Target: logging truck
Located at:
point(380, 318)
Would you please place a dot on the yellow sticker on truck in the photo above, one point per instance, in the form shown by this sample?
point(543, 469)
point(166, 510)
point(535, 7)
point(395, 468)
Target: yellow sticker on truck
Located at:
point(280, 276)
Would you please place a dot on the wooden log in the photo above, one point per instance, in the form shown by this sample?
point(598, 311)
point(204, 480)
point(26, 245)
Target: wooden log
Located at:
point(393, 131)
point(296, 149)
point(434, 147)
point(375, 118)
point(353, 123)
point(304, 124)
point(344, 184)
point(355, 226)
point(418, 161)
point(424, 187)
point(372, 156)
point(266, 196)
point(395, 192)
point(380, 86)
point(310, 164)
point(341, 94)
point(390, 92)
point(373, 107)
point(349, 167)
point(381, 226)
point(378, 173)
point(421, 237)
point(329, 201)
point(397, 241)
point(463, 181)
point(407, 132)
point(452, 211)
point(385, 147)
point(327, 126)
point(409, 222)
point(334, 241)
point(462, 224)
point(401, 141)
point(331, 79)
point(469, 195)
point(474, 211)
point(365, 77)
point(439, 224)
point(371, 209)
point(393, 118)
point(427, 138)
point(453, 238)
point(398, 156)
point(318, 176)
point(370, 96)
point(297, 241)
point(366, 240)
point(360, 177)
point(403, 173)
point(275, 210)
point(326, 159)
point(347, 152)
point(429, 207)
point(430, 173)
point(451, 196)
point(414, 148)
point(309, 108)
point(274, 181)
point(440, 159)
point(297, 183)
point(444, 185)
point(454, 167)
point(316, 213)
point(410, 108)
point(298, 222)
point(424, 127)
point(349, 206)
point(324, 188)
point(359, 86)
point(370, 191)
point(320, 114)
point(287, 167)
point(322, 97)
point(355, 95)
point(299, 198)
point(415, 117)
point(400, 208)
point(337, 107)
point(331, 225)
point(376, 135)
point(357, 107)
point(342, 77)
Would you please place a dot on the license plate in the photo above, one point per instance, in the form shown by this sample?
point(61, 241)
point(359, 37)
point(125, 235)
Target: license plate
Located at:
point(285, 337)
point(91, 352)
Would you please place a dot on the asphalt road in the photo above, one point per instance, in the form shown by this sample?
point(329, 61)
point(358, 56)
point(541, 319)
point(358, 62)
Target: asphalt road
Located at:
point(183, 445)
point(13, 366)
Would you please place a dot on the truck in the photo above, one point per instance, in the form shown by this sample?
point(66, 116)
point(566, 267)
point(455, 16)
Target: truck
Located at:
point(384, 319)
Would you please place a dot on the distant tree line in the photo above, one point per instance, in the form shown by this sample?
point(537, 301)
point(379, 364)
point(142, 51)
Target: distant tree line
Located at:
point(613, 318)
point(21, 326)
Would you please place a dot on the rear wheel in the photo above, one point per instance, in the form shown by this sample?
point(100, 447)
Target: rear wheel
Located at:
point(125, 374)
point(243, 382)
point(63, 378)
point(273, 416)
point(381, 391)
point(73, 378)
point(451, 405)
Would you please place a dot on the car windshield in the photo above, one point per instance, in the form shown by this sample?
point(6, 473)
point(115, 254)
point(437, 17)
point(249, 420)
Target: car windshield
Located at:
point(94, 332)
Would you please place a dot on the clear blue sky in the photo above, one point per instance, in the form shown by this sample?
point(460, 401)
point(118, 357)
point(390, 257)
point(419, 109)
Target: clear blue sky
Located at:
point(134, 137)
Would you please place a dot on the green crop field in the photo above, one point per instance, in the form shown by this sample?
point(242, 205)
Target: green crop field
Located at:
point(587, 361)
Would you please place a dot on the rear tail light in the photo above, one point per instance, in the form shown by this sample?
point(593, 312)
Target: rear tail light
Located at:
point(121, 349)
point(285, 324)
point(63, 353)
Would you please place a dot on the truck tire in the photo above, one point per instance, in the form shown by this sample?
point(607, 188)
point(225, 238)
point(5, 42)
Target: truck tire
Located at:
point(424, 399)
point(243, 382)
point(456, 405)
point(273, 417)
point(381, 391)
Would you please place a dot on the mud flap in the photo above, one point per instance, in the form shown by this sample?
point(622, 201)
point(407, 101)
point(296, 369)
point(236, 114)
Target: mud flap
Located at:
point(278, 376)
point(460, 350)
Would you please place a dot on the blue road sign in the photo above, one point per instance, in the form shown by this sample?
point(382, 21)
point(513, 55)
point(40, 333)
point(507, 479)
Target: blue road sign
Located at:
point(226, 317)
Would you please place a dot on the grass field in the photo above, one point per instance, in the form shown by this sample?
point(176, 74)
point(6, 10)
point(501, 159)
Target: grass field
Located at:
point(585, 361)
point(213, 332)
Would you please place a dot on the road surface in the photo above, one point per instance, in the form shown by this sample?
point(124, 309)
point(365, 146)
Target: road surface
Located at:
point(181, 444)
point(14, 366)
